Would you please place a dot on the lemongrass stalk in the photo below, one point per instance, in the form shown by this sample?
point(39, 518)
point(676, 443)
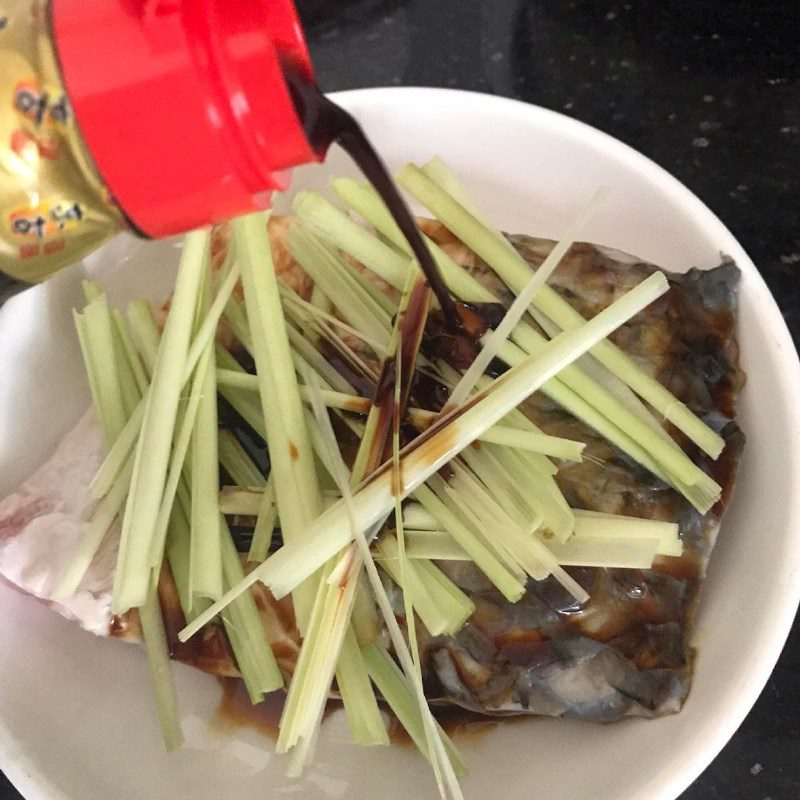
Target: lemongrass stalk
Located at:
point(91, 290)
point(417, 517)
point(243, 500)
point(157, 649)
point(368, 204)
point(129, 386)
point(492, 342)
point(118, 453)
point(441, 610)
point(332, 223)
point(320, 317)
point(351, 300)
point(205, 554)
point(177, 462)
point(292, 460)
point(331, 531)
point(555, 446)
point(237, 321)
point(208, 328)
point(437, 545)
point(395, 689)
point(134, 360)
point(145, 332)
point(597, 525)
point(262, 669)
point(439, 757)
point(266, 519)
point(507, 583)
point(102, 518)
point(153, 446)
point(235, 460)
point(365, 200)
point(365, 620)
point(605, 552)
point(515, 272)
point(99, 342)
point(610, 382)
point(245, 403)
point(360, 704)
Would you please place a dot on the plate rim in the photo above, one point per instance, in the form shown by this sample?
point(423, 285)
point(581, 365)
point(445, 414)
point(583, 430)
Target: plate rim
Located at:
point(34, 786)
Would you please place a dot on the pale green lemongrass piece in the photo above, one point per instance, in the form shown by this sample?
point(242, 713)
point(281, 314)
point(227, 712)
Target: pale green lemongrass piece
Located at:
point(304, 349)
point(263, 673)
point(610, 382)
point(292, 459)
point(102, 518)
point(182, 438)
point(91, 290)
point(360, 278)
point(205, 553)
point(211, 316)
point(266, 519)
point(360, 704)
point(236, 318)
point(441, 609)
point(99, 340)
point(327, 626)
point(531, 559)
point(515, 273)
point(395, 689)
point(417, 517)
point(605, 552)
point(467, 518)
point(153, 446)
point(443, 770)
point(244, 500)
point(235, 460)
point(128, 380)
point(245, 402)
point(144, 330)
point(499, 434)
point(363, 199)
point(594, 524)
point(350, 299)
point(492, 341)
point(155, 644)
point(332, 223)
point(672, 462)
point(440, 173)
point(134, 360)
point(118, 453)
point(312, 313)
point(176, 550)
point(331, 531)
point(365, 619)
point(320, 300)
point(405, 568)
point(436, 545)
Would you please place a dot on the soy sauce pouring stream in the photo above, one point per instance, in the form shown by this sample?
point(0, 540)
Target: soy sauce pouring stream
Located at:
point(325, 122)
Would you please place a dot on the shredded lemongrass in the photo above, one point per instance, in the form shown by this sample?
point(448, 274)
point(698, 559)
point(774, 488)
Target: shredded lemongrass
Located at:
point(514, 271)
point(155, 641)
point(144, 330)
point(244, 500)
point(266, 519)
point(579, 397)
point(152, 451)
point(597, 525)
point(292, 460)
point(205, 555)
point(492, 342)
point(331, 531)
point(236, 462)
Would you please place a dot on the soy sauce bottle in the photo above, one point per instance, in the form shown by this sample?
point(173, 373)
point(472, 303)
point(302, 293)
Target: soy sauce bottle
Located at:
point(156, 116)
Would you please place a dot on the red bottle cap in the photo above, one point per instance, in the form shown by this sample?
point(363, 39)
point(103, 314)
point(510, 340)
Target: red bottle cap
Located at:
point(183, 104)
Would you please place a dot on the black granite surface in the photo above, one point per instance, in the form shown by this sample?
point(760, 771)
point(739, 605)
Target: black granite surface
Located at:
point(708, 89)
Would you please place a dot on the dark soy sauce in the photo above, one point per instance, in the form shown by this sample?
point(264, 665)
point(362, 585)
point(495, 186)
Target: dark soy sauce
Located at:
point(324, 122)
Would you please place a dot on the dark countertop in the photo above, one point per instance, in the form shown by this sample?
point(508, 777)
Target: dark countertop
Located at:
point(708, 89)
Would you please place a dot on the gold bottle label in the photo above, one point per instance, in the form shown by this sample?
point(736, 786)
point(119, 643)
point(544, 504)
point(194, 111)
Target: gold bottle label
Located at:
point(53, 207)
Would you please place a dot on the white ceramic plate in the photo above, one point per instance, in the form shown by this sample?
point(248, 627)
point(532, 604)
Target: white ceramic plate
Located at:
point(76, 717)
